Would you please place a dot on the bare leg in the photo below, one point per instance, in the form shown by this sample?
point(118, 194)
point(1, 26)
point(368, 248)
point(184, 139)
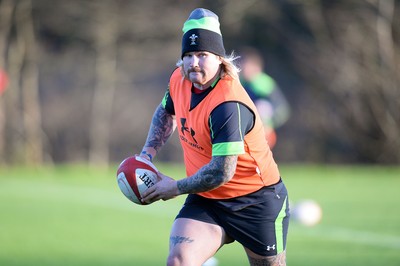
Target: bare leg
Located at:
point(193, 242)
point(257, 260)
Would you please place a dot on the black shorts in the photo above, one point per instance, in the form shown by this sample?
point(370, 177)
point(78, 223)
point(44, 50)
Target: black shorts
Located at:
point(259, 221)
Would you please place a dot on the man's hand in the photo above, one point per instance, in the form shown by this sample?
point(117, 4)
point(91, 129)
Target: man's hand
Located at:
point(146, 155)
point(165, 189)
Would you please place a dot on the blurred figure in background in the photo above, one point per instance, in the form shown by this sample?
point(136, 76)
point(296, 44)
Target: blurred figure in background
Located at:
point(272, 105)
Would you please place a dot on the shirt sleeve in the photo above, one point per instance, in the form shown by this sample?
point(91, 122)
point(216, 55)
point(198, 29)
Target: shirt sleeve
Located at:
point(167, 103)
point(229, 123)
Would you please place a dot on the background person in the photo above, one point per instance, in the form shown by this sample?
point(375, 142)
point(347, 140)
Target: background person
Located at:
point(271, 103)
point(234, 188)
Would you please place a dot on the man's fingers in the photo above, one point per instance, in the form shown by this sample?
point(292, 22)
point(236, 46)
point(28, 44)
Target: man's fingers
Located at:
point(149, 195)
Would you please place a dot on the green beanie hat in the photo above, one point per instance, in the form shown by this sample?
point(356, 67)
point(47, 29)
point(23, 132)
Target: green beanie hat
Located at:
point(201, 32)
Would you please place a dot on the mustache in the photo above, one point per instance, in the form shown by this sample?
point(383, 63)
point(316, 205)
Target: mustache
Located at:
point(194, 69)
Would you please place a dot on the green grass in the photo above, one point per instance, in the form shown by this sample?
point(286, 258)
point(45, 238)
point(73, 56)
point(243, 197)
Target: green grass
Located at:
point(70, 215)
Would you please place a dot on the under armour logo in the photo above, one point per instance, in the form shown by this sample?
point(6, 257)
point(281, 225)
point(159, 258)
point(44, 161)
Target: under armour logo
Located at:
point(271, 247)
point(184, 129)
point(193, 38)
point(183, 126)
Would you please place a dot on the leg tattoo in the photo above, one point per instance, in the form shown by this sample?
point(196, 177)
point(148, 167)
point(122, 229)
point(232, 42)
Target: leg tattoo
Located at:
point(175, 240)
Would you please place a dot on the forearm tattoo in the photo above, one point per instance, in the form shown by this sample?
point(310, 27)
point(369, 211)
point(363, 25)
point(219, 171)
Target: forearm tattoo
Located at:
point(162, 127)
point(216, 173)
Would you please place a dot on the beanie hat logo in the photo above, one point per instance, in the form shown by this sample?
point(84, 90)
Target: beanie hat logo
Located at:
point(193, 38)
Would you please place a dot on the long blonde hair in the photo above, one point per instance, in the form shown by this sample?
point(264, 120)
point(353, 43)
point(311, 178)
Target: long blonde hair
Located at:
point(229, 66)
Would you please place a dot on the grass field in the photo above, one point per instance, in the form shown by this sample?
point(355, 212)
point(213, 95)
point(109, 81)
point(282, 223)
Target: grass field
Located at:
point(70, 215)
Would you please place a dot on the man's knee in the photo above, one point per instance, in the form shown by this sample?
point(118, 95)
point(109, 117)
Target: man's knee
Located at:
point(177, 258)
point(174, 260)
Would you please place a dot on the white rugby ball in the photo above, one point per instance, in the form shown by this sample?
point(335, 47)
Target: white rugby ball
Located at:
point(307, 212)
point(134, 176)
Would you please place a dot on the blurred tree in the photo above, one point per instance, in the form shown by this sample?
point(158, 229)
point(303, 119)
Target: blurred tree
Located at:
point(23, 132)
point(105, 31)
point(6, 11)
point(351, 62)
point(32, 119)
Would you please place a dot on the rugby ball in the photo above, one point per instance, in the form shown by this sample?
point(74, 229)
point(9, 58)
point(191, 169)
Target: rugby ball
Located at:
point(307, 212)
point(134, 176)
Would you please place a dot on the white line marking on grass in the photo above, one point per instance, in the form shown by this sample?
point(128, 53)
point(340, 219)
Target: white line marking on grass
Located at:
point(354, 236)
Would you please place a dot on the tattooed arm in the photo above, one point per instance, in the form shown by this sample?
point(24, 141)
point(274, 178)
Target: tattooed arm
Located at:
point(162, 126)
point(214, 174)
